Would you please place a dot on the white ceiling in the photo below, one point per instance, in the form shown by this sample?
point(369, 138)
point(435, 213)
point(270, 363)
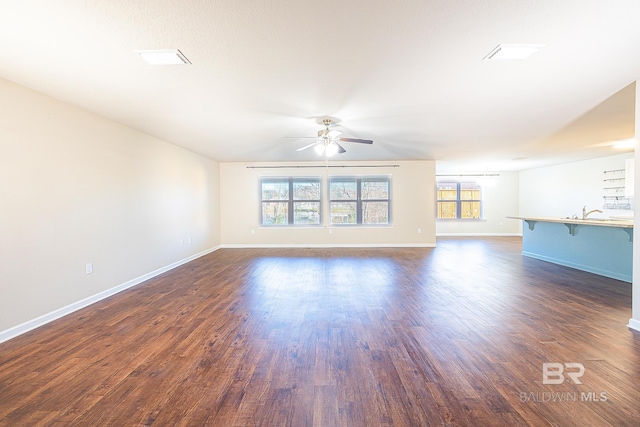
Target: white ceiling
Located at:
point(408, 74)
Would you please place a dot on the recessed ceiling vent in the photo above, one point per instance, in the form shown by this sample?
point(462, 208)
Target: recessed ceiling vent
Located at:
point(512, 52)
point(163, 57)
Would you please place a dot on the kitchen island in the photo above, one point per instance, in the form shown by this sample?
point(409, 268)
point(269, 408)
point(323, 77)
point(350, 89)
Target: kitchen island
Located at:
point(599, 246)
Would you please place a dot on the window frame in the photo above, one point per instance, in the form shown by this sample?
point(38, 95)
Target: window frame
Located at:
point(291, 200)
point(459, 201)
point(358, 200)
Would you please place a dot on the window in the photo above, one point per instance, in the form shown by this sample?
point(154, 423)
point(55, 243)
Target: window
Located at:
point(359, 200)
point(290, 201)
point(459, 200)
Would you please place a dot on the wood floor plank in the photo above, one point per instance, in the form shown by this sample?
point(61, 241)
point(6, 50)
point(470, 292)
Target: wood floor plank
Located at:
point(448, 336)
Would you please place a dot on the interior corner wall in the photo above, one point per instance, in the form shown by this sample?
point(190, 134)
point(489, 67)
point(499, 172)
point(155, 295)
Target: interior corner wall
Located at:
point(412, 206)
point(78, 189)
point(500, 198)
point(634, 322)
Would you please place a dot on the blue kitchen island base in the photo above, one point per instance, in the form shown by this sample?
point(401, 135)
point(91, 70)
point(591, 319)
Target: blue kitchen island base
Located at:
point(603, 250)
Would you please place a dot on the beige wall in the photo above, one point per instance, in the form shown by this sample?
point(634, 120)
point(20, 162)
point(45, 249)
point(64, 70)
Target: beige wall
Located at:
point(76, 188)
point(412, 192)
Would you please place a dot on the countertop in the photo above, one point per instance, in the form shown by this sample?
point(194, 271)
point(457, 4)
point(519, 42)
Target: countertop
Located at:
point(603, 222)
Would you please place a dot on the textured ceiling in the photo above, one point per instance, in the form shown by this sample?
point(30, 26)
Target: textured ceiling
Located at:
point(407, 74)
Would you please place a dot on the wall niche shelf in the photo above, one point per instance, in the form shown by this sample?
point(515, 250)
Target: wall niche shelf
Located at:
point(614, 190)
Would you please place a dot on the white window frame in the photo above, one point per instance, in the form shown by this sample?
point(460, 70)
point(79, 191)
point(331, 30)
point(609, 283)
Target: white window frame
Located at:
point(458, 201)
point(359, 200)
point(291, 201)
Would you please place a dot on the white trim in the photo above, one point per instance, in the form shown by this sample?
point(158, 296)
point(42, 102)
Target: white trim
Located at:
point(634, 324)
point(326, 245)
point(589, 269)
point(478, 234)
point(68, 309)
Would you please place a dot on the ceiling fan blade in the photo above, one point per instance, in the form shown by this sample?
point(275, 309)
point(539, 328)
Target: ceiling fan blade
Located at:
point(308, 146)
point(361, 141)
point(340, 149)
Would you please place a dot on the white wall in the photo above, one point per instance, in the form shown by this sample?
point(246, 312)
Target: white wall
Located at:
point(500, 199)
point(562, 190)
point(76, 188)
point(413, 206)
point(634, 322)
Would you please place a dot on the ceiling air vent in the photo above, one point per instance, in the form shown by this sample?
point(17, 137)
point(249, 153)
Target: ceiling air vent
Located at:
point(163, 57)
point(512, 52)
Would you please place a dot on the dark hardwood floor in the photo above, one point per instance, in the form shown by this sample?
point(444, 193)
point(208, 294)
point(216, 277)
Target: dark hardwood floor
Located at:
point(455, 335)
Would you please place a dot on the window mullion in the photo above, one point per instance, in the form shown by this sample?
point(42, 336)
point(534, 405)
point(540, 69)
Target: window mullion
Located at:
point(458, 202)
point(358, 201)
point(290, 213)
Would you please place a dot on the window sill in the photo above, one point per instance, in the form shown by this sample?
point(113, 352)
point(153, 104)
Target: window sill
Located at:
point(297, 227)
point(461, 220)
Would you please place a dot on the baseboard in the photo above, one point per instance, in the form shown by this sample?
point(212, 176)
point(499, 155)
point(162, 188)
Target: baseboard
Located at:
point(478, 234)
point(327, 245)
point(634, 324)
point(61, 312)
point(589, 269)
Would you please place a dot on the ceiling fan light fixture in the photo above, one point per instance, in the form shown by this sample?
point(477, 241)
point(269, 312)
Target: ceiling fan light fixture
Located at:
point(332, 149)
point(328, 142)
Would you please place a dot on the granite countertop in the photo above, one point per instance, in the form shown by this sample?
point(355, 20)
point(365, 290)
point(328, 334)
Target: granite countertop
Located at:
point(603, 222)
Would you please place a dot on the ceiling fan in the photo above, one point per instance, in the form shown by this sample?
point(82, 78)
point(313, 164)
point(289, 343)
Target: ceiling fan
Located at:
point(328, 141)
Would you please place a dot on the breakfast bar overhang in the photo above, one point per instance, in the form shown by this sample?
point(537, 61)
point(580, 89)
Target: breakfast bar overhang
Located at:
point(599, 246)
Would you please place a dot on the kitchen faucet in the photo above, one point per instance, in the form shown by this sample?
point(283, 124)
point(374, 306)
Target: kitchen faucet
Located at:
point(585, 214)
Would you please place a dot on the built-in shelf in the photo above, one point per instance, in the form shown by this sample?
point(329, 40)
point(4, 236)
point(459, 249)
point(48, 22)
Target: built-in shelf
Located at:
point(615, 191)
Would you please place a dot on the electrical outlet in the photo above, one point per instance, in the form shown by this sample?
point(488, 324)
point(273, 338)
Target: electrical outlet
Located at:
point(88, 268)
point(419, 230)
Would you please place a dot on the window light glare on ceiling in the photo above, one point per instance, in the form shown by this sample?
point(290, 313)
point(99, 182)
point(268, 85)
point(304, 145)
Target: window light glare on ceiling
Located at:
point(513, 52)
point(625, 144)
point(163, 57)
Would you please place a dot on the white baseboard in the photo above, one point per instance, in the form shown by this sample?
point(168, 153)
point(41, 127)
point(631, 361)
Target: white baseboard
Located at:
point(634, 324)
point(478, 234)
point(583, 267)
point(327, 245)
point(61, 312)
